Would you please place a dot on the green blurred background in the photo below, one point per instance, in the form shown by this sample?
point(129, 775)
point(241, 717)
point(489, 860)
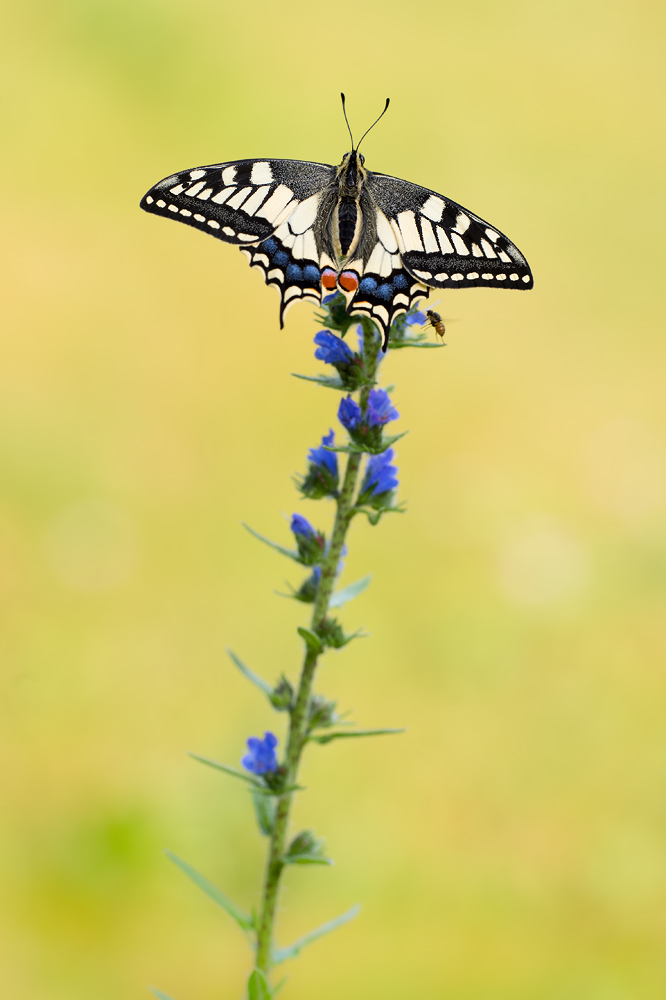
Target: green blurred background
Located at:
point(512, 844)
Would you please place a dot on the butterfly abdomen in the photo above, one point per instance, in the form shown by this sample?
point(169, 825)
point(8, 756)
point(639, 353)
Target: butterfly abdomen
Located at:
point(347, 223)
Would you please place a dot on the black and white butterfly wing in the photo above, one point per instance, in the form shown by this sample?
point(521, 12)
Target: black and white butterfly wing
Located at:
point(266, 207)
point(443, 244)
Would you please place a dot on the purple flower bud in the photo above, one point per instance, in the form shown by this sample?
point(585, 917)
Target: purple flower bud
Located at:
point(349, 413)
point(332, 350)
point(261, 758)
point(380, 475)
point(301, 526)
point(380, 410)
point(328, 460)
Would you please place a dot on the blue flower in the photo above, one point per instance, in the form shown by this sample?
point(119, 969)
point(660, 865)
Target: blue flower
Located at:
point(332, 350)
point(415, 318)
point(302, 527)
point(322, 476)
point(380, 410)
point(349, 413)
point(261, 758)
point(380, 478)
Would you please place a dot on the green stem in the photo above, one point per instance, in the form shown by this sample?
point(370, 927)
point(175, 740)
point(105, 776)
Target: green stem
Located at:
point(299, 714)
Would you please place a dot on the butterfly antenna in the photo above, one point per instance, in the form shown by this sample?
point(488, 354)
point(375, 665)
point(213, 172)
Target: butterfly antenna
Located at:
point(344, 111)
point(388, 99)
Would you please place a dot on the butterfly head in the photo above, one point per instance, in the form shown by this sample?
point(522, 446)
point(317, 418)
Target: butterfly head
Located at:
point(351, 173)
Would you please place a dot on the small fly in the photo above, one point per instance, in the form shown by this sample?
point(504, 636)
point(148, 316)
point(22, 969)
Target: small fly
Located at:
point(436, 322)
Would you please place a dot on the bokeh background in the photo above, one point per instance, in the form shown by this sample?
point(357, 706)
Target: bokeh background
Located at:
point(512, 844)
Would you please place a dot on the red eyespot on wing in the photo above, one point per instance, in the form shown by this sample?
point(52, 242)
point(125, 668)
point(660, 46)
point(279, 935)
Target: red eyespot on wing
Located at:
point(329, 279)
point(349, 281)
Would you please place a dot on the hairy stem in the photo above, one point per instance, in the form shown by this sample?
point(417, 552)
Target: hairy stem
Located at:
point(299, 714)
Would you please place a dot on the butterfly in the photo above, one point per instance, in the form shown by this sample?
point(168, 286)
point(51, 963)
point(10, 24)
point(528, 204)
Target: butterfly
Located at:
point(314, 229)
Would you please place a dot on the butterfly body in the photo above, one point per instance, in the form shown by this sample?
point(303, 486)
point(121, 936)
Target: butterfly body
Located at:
point(313, 229)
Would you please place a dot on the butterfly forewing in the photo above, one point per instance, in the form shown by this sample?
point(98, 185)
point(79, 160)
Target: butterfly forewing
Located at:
point(443, 244)
point(267, 207)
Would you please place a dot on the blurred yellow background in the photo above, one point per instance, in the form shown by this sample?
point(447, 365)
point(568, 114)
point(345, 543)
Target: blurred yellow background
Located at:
point(511, 845)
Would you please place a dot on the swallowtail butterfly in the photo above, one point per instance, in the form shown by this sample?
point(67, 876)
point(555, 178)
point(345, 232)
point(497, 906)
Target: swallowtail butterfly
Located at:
point(314, 229)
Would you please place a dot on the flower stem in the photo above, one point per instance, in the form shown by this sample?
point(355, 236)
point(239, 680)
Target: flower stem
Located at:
point(299, 713)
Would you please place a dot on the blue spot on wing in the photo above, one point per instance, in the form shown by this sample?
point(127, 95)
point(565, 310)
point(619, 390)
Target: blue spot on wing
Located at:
point(368, 285)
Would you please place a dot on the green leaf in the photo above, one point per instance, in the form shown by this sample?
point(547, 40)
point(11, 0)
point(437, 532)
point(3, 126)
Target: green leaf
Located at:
point(279, 791)
point(351, 734)
point(282, 954)
point(264, 808)
point(374, 516)
point(328, 381)
point(388, 441)
point(274, 545)
point(257, 986)
point(306, 859)
point(243, 920)
point(348, 449)
point(312, 641)
point(359, 449)
point(159, 994)
point(250, 674)
point(395, 345)
point(234, 772)
point(349, 593)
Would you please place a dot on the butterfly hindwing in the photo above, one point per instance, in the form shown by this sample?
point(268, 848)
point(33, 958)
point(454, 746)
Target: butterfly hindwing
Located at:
point(377, 282)
point(290, 263)
point(266, 207)
point(443, 244)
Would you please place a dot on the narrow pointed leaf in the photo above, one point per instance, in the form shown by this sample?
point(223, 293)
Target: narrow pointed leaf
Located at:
point(233, 771)
point(312, 641)
point(358, 449)
point(274, 545)
point(306, 859)
point(242, 919)
point(159, 994)
point(250, 674)
point(349, 593)
point(395, 345)
point(348, 449)
point(328, 381)
point(388, 441)
point(257, 986)
point(282, 954)
point(351, 734)
point(277, 793)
